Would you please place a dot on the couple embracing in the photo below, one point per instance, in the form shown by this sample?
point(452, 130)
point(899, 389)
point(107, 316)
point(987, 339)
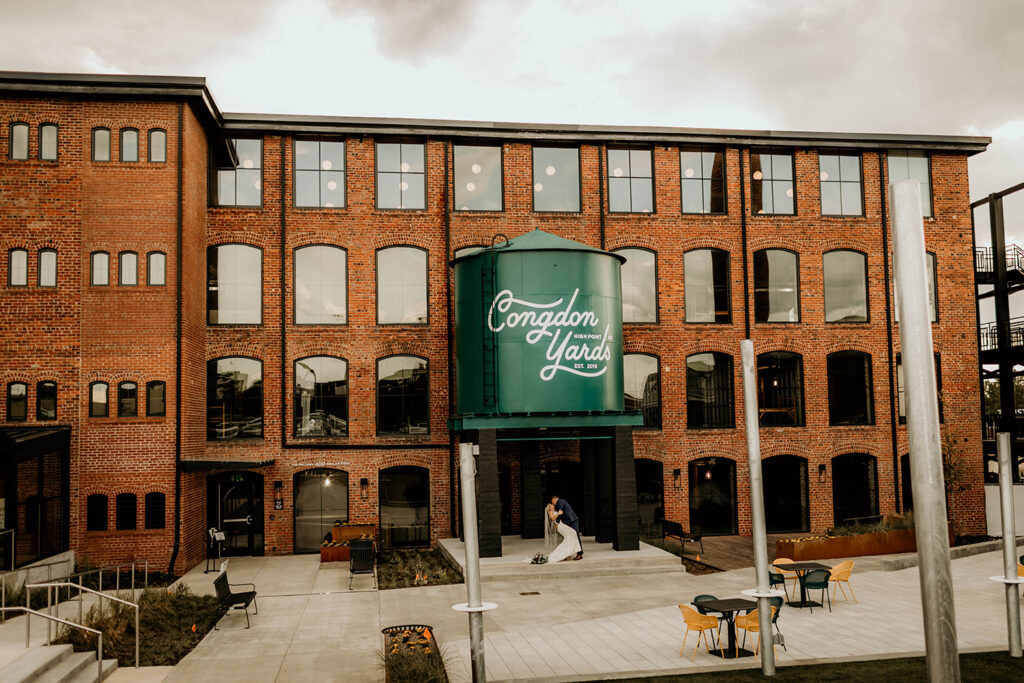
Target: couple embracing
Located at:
point(562, 519)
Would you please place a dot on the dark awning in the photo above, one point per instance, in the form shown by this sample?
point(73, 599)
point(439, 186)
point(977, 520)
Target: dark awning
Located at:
point(23, 443)
point(211, 465)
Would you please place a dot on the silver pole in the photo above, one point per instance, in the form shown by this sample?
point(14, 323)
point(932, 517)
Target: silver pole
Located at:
point(1009, 543)
point(764, 612)
point(930, 525)
point(476, 619)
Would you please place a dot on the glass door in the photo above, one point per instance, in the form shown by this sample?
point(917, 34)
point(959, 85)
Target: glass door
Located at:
point(321, 499)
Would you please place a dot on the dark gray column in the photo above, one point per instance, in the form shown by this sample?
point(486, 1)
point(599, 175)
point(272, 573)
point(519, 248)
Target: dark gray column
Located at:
point(604, 531)
point(627, 526)
point(488, 499)
point(588, 461)
point(531, 518)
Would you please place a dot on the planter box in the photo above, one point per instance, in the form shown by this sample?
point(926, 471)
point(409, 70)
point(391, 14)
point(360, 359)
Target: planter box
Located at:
point(334, 553)
point(826, 547)
point(348, 532)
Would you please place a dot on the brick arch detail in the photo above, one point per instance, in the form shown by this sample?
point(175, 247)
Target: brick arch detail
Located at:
point(223, 349)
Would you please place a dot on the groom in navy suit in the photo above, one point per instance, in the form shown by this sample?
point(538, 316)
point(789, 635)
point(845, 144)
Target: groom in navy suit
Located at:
point(567, 516)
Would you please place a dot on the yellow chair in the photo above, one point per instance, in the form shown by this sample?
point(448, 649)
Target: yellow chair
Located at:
point(789, 574)
point(751, 624)
point(1020, 569)
point(841, 574)
point(695, 621)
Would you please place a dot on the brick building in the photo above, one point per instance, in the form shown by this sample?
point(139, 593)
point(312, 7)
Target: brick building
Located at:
point(244, 321)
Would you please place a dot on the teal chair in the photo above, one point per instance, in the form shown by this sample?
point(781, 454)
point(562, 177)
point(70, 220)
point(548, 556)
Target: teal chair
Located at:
point(777, 579)
point(817, 579)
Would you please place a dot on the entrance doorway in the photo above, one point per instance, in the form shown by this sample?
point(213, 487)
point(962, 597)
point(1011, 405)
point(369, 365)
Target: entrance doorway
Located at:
point(562, 478)
point(650, 494)
point(854, 487)
point(235, 506)
point(405, 506)
point(785, 502)
point(321, 499)
point(713, 497)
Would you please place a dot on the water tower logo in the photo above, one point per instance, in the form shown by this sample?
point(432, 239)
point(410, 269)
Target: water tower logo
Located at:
point(575, 341)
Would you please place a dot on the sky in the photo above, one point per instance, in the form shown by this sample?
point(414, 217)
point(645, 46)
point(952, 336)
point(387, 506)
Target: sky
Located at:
point(882, 66)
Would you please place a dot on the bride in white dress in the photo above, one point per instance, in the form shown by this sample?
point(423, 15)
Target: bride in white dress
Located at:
point(555, 529)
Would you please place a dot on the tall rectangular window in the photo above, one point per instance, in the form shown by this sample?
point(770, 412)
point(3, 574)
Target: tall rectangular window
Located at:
point(403, 399)
point(321, 397)
point(125, 512)
point(630, 179)
point(642, 384)
point(99, 268)
point(17, 402)
point(846, 286)
point(48, 142)
point(101, 144)
point(709, 391)
point(156, 510)
point(913, 164)
point(702, 178)
point(18, 141)
point(129, 144)
point(98, 399)
point(401, 286)
point(234, 399)
point(321, 285)
point(157, 146)
point(46, 401)
point(47, 268)
point(776, 286)
point(772, 190)
point(401, 175)
point(780, 389)
point(478, 178)
point(639, 285)
point(243, 184)
point(96, 512)
point(556, 179)
point(841, 189)
point(706, 286)
point(156, 398)
point(319, 173)
point(851, 398)
point(17, 268)
point(234, 285)
point(127, 399)
point(128, 268)
point(156, 268)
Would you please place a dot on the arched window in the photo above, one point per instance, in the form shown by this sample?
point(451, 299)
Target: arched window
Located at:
point(17, 267)
point(706, 286)
point(234, 399)
point(234, 285)
point(99, 268)
point(401, 286)
point(851, 398)
point(157, 146)
point(99, 399)
point(786, 509)
point(776, 286)
point(126, 512)
point(404, 506)
point(48, 141)
point(47, 268)
point(156, 398)
point(18, 141)
point(780, 389)
point(96, 512)
point(128, 268)
point(639, 285)
point(709, 391)
point(127, 399)
point(713, 496)
point(642, 382)
point(321, 277)
point(846, 286)
point(321, 397)
point(854, 487)
point(403, 402)
point(101, 144)
point(321, 499)
point(129, 144)
point(156, 268)
point(17, 402)
point(46, 400)
point(156, 510)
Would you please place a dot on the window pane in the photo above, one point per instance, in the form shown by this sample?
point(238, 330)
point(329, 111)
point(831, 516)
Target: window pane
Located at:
point(706, 286)
point(47, 268)
point(248, 187)
point(402, 400)
point(320, 173)
point(242, 185)
point(780, 389)
point(630, 188)
point(709, 391)
point(17, 273)
point(226, 188)
point(96, 512)
point(389, 190)
point(845, 287)
point(478, 178)
point(126, 511)
point(642, 387)
point(775, 286)
point(98, 400)
point(129, 145)
point(157, 146)
point(642, 195)
point(321, 397)
point(702, 171)
point(17, 402)
point(851, 193)
point(771, 188)
point(235, 285)
point(401, 286)
point(320, 286)
point(831, 199)
point(157, 268)
point(556, 179)
point(639, 286)
point(101, 268)
point(850, 399)
point(19, 141)
point(128, 269)
point(48, 141)
point(332, 189)
point(412, 191)
point(400, 176)
point(101, 144)
point(127, 399)
point(307, 188)
point(840, 183)
point(46, 401)
point(389, 157)
point(156, 399)
point(619, 198)
point(234, 399)
point(307, 155)
point(156, 510)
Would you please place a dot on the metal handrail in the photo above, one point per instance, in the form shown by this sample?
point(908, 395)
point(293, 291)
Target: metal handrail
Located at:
point(28, 622)
point(68, 584)
point(3, 581)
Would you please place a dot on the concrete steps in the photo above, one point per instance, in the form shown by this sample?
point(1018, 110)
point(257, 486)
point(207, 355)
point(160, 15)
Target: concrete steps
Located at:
point(56, 664)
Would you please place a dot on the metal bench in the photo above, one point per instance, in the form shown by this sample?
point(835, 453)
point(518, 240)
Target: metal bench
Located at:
point(675, 530)
point(229, 600)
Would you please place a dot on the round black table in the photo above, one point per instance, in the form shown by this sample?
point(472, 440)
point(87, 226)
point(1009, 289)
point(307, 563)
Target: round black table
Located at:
point(728, 608)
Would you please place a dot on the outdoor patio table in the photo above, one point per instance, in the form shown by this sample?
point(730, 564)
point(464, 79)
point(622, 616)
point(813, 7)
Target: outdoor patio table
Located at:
point(728, 607)
point(801, 568)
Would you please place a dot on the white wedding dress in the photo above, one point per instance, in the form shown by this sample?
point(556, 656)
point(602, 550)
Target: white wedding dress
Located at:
point(570, 544)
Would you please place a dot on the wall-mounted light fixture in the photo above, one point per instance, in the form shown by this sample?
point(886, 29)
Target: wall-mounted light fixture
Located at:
point(364, 488)
point(821, 473)
point(279, 495)
point(677, 475)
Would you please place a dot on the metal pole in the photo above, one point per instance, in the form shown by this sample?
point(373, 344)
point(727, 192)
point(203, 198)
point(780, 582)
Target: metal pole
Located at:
point(476, 619)
point(1009, 543)
point(136, 636)
point(930, 524)
point(764, 612)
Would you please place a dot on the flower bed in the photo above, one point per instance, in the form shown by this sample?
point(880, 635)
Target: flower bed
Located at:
point(411, 653)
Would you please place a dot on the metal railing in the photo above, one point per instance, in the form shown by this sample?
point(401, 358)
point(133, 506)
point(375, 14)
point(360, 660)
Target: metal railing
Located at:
point(50, 618)
point(50, 604)
point(3, 581)
point(989, 333)
point(984, 259)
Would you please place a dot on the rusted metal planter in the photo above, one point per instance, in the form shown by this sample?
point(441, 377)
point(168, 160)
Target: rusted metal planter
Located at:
point(826, 547)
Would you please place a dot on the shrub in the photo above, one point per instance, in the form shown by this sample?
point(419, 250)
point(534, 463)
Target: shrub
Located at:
point(408, 568)
point(413, 655)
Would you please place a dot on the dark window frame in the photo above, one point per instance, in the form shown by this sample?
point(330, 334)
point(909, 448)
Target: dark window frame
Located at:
point(348, 398)
point(838, 152)
point(700, 147)
point(92, 268)
point(152, 384)
point(56, 141)
point(344, 155)
point(773, 151)
point(123, 504)
point(719, 356)
point(376, 173)
point(376, 285)
point(263, 407)
point(867, 289)
point(799, 288)
point(149, 146)
point(11, 400)
point(801, 422)
point(39, 267)
point(657, 288)
point(153, 520)
point(122, 386)
point(10, 140)
point(110, 145)
point(501, 167)
point(121, 146)
point(262, 283)
point(92, 520)
point(728, 285)
point(10, 266)
point(149, 268)
point(579, 180)
point(295, 305)
point(376, 396)
point(121, 270)
point(657, 363)
point(869, 384)
point(629, 147)
point(39, 400)
point(106, 405)
point(213, 199)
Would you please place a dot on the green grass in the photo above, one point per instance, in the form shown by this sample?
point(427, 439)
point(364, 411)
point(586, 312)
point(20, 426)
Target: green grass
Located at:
point(978, 666)
point(408, 568)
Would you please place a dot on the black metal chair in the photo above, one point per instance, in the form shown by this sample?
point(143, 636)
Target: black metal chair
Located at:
point(362, 560)
point(229, 600)
point(696, 604)
point(777, 579)
point(817, 579)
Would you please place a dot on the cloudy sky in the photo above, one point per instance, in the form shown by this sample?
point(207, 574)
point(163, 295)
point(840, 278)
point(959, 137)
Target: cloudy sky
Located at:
point(926, 66)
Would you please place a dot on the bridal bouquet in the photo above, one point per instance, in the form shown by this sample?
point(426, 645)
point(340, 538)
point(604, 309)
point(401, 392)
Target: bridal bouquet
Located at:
point(539, 558)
